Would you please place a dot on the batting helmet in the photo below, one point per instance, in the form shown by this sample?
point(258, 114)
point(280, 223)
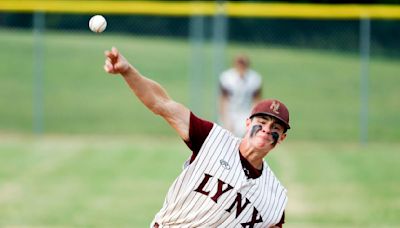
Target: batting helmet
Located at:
point(274, 108)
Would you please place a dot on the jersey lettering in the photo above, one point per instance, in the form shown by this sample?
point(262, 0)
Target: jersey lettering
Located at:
point(220, 191)
point(256, 218)
point(239, 207)
point(200, 188)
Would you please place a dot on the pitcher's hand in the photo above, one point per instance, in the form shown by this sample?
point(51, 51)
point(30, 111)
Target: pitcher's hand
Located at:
point(115, 62)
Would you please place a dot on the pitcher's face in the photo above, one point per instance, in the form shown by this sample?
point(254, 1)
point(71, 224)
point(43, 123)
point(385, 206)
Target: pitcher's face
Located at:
point(264, 132)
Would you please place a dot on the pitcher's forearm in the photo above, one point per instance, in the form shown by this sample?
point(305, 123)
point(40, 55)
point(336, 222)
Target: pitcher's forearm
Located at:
point(149, 92)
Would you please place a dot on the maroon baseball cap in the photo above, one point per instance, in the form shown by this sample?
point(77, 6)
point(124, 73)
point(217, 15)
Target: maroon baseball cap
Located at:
point(272, 107)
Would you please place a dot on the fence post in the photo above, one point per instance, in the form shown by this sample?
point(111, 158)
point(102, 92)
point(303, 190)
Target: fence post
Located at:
point(219, 44)
point(38, 72)
point(365, 31)
point(197, 64)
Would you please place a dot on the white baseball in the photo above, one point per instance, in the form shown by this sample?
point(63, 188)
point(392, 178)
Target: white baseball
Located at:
point(97, 23)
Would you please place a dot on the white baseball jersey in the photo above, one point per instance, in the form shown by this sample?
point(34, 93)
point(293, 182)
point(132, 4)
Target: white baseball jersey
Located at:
point(214, 191)
point(241, 92)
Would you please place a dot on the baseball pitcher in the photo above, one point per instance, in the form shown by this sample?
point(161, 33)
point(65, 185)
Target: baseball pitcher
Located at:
point(225, 182)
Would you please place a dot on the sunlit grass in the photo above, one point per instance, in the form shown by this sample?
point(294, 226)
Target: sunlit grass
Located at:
point(122, 181)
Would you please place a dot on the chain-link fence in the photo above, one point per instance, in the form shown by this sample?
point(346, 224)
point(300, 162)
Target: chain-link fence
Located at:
point(339, 78)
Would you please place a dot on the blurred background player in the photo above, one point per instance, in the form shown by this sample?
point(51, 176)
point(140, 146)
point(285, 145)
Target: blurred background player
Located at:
point(240, 88)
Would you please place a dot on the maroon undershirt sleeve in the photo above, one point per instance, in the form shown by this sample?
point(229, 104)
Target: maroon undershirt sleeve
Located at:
point(198, 132)
point(280, 224)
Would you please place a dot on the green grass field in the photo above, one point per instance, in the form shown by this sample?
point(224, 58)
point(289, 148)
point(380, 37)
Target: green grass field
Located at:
point(321, 88)
point(108, 181)
point(105, 161)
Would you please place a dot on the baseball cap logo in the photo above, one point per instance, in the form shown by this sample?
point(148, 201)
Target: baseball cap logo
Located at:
point(275, 107)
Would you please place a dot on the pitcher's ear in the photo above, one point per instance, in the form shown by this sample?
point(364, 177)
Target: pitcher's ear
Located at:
point(248, 122)
point(282, 138)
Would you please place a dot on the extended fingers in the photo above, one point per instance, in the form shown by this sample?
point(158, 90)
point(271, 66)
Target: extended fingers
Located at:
point(112, 55)
point(107, 69)
point(114, 50)
point(114, 62)
point(108, 66)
